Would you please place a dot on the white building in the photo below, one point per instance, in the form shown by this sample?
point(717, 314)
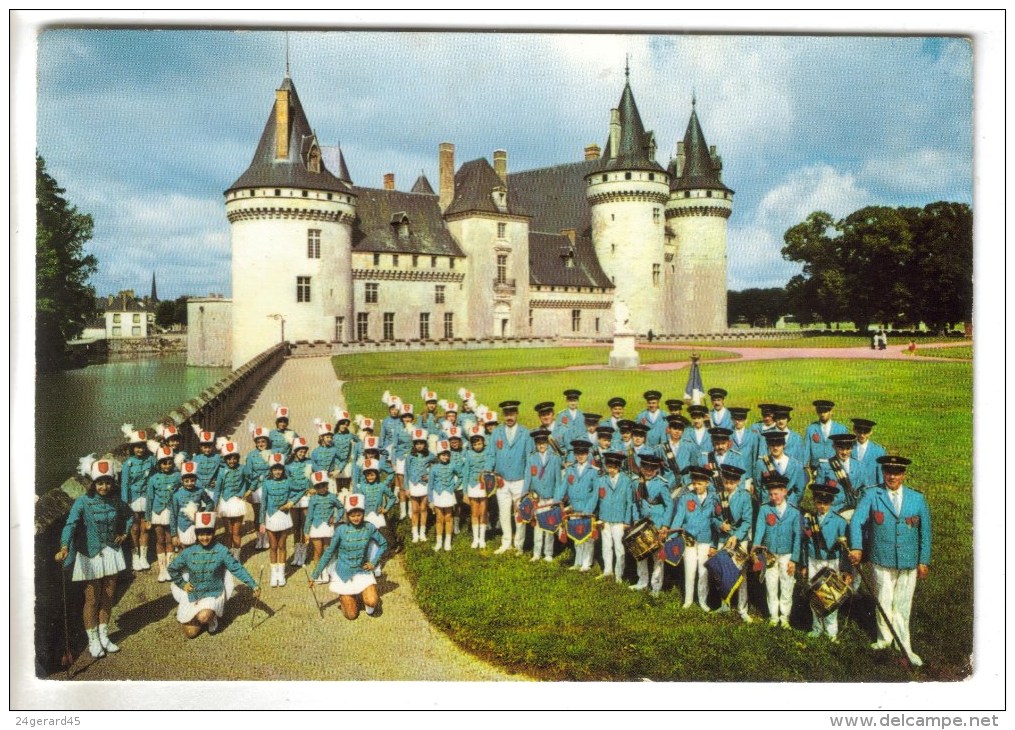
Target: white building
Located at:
point(542, 252)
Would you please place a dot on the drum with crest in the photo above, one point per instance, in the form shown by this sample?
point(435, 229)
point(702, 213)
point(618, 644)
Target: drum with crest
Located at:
point(579, 526)
point(526, 509)
point(549, 517)
point(726, 572)
point(673, 549)
point(828, 590)
point(491, 481)
point(642, 539)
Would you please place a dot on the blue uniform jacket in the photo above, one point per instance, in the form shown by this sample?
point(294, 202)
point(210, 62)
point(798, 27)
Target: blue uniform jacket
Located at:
point(826, 475)
point(184, 505)
point(656, 503)
point(402, 444)
point(747, 443)
point(474, 462)
point(322, 509)
point(206, 570)
point(542, 477)
point(870, 469)
point(816, 446)
point(686, 455)
point(509, 457)
point(656, 429)
point(579, 490)
point(279, 443)
point(207, 468)
point(429, 422)
point(345, 446)
point(275, 493)
point(616, 501)
point(694, 516)
point(573, 423)
point(134, 477)
point(298, 477)
point(721, 419)
point(730, 458)
point(780, 535)
point(94, 523)
point(794, 473)
point(390, 427)
point(160, 490)
point(899, 541)
point(741, 509)
point(416, 466)
point(349, 549)
point(831, 527)
point(443, 478)
point(256, 467)
point(795, 445)
point(377, 496)
point(230, 483)
point(323, 458)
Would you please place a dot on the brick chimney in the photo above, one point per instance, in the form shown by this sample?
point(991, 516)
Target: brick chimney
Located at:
point(614, 132)
point(500, 164)
point(592, 151)
point(389, 181)
point(446, 164)
point(570, 233)
point(281, 124)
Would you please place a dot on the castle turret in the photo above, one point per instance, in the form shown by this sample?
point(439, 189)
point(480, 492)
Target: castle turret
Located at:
point(291, 222)
point(696, 215)
point(627, 193)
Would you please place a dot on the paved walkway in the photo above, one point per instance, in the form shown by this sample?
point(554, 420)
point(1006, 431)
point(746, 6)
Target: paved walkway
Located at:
point(283, 636)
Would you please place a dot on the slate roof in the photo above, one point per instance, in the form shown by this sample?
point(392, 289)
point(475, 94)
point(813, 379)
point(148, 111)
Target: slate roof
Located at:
point(474, 185)
point(123, 303)
point(376, 229)
point(334, 160)
point(548, 267)
point(266, 171)
point(422, 186)
point(635, 145)
point(700, 172)
point(554, 197)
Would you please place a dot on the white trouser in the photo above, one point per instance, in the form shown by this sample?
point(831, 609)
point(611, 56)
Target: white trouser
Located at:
point(742, 596)
point(829, 624)
point(542, 543)
point(779, 584)
point(657, 572)
point(613, 547)
point(507, 505)
point(583, 553)
point(694, 566)
point(895, 594)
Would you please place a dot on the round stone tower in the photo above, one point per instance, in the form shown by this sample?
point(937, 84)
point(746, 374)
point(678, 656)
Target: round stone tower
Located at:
point(627, 196)
point(699, 205)
point(291, 223)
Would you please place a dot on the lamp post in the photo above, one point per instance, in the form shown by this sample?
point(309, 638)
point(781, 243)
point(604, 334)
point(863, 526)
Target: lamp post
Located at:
point(281, 320)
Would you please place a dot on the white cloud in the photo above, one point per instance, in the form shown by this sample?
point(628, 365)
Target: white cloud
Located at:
point(803, 191)
point(923, 170)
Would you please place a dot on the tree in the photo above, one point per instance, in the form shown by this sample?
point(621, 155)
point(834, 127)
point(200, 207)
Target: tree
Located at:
point(64, 301)
point(165, 314)
point(821, 293)
point(757, 307)
point(941, 274)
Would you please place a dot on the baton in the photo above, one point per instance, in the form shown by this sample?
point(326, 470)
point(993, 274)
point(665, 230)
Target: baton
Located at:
point(253, 608)
point(310, 585)
point(891, 627)
point(67, 661)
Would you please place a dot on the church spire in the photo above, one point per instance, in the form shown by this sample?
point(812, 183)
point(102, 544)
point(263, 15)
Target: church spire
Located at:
point(155, 294)
point(629, 146)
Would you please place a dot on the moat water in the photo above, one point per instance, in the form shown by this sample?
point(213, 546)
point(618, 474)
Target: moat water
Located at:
point(78, 412)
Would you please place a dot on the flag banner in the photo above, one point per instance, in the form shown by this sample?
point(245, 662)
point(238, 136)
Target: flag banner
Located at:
point(695, 391)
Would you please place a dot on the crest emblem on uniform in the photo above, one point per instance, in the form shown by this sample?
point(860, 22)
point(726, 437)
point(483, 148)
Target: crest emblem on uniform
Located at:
point(879, 517)
point(103, 467)
point(533, 470)
point(500, 443)
point(564, 420)
point(913, 521)
point(692, 505)
point(602, 492)
point(718, 510)
point(570, 478)
point(770, 519)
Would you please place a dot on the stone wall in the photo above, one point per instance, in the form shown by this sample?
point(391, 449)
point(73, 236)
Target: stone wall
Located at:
point(122, 348)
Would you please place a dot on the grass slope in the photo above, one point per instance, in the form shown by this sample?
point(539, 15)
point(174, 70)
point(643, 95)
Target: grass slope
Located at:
point(958, 353)
point(557, 624)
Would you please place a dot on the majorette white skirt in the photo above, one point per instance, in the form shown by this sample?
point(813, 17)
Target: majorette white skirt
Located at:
point(232, 507)
point(352, 587)
point(255, 496)
point(417, 490)
point(477, 491)
point(109, 561)
point(188, 609)
point(304, 502)
point(187, 537)
point(376, 520)
point(140, 504)
point(278, 522)
point(399, 466)
point(161, 518)
point(444, 499)
point(323, 530)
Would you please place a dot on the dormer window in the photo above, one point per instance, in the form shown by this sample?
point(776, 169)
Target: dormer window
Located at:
point(500, 198)
point(401, 223)
point(313, 154)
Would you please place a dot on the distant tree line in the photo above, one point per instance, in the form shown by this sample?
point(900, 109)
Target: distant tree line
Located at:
point(171, 312)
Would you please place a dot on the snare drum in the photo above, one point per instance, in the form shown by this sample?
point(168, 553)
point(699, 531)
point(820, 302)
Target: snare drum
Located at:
point(828, 590)
point(526, 509)
point(642, 539)
point(550, 517)
point(726, 572)
point(579, 526)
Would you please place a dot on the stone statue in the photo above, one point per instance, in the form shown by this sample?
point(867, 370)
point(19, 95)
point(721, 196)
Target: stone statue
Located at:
point(622, 315)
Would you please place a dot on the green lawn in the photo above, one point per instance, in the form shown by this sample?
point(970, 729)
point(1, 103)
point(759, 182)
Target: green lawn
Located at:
point(556, 624)
point(816, 341)
point(963, 352)
point(398, 364)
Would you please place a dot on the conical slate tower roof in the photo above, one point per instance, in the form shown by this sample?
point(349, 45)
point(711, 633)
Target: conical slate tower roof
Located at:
point(342, 172)
point(422, 186)
point(634, 146)
point(266, 170)
point(700, 172)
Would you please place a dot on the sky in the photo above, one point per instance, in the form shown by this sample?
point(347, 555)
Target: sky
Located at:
point(145, 129)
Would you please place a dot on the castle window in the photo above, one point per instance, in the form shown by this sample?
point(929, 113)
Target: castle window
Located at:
point(655, 274)
point(372, 288)
point(708, 193)
point(530, 318)
point(302, 288)
point(339, 329)
point(252, 193)
point(449, 326)
point(415, 261)
point(627, 176)
point(137, 318)
point(329, 196)
point(576, 320)
point(687, 193)
point(613, 248)
point(306, 194)
point(655, 215)
point(604, 178)
point(116, 317)
point(314, 159)
point(651, 176)
point(597, 324)
point(394, 259)
point(278, 192)
point(451, 262)
point(501, 268)
point(433, 262)
point(389, 326)
point(424, 325)
point(439, 294)
point(362, 325)
point(501, 230)
point(377, 259)
point(314, 243)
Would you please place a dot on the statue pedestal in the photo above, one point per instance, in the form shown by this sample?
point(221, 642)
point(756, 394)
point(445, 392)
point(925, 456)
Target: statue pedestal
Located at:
point(624, 356)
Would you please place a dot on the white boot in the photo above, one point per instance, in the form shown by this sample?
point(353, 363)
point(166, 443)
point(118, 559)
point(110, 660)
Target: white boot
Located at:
point(458, 524)
point(422, 533)
point(447, 543)
point(475, 535)
point(415, 534)
point(142, 559)
point(437, 545)
point(164, 576)
point(482, 536)
point(302, 554)
point(281, 574)
point(94, 644)
point(403, 510)
point(297, 555)
point(104, 639)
